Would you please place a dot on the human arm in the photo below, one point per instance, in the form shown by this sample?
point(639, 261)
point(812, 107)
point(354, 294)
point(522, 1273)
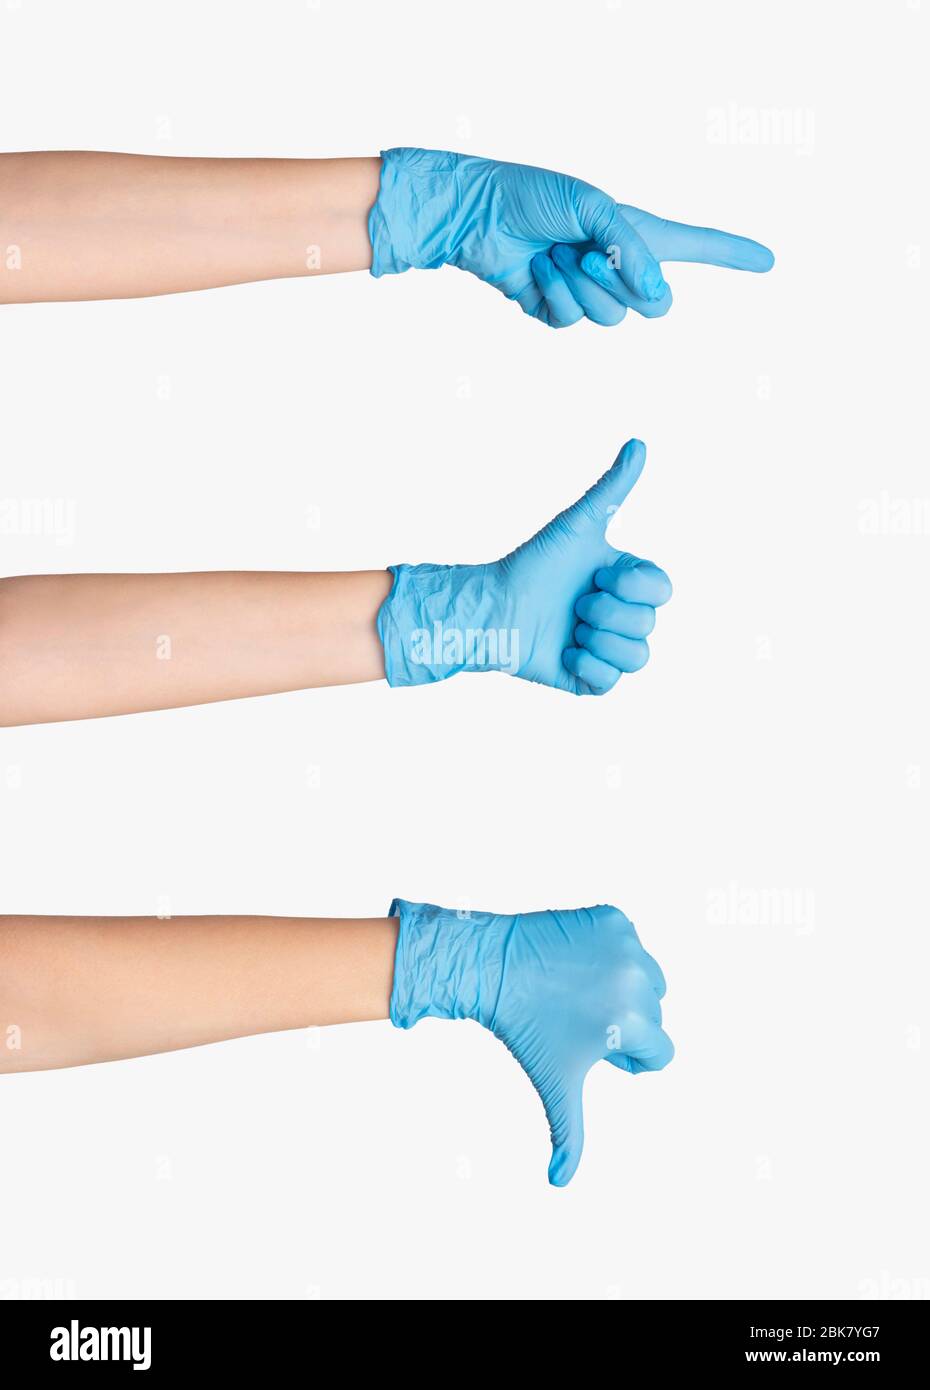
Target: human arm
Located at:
point(565, 609)
point(75, 990)
point(561, 989)
point(78, 224)
point(78, 646)
point(88, 225)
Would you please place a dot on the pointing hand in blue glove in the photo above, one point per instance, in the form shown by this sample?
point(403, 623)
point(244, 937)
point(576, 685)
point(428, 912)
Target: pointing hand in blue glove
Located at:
point(562, 990)
point(563, 249)
point(565, 609)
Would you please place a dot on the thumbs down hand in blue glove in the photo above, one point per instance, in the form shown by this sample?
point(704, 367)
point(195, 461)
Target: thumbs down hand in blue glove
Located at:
point(563, 249)
point(562, 990)
point(565, 609)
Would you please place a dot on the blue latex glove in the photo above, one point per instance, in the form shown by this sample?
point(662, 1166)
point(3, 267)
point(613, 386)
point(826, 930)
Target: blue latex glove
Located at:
point(565, 610)
point(525, 231)
point(562, 990)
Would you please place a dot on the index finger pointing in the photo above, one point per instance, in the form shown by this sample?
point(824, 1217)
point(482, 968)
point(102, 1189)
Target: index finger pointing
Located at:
point(677, 241)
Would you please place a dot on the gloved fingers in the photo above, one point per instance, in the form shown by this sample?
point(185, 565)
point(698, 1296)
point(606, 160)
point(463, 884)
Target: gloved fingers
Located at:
point(598, 268)
point(566, 1126)
point(564, 310)
point(635, 581)
point(532, 301)
point(602, 610)
point(617, 921)
point(627, 654)
point(648, 967)
point(602, 222)
point(644, 1046)
point(672, 241)
point(599, 306)
point(645, 1000)
point(653, 972)
point(636, 980)
point(677, 241)
point(597, 675)
point(616, 917)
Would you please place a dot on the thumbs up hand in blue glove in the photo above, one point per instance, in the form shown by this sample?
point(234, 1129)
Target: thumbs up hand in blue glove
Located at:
point(563, 249)
point(565, 609)
point(562, 990)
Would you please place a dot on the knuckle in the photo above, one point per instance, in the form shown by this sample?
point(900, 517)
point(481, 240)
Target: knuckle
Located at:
point(609, 317)
point(659, 309)
point(646, 620)
point(639, 655)
point(601, 605)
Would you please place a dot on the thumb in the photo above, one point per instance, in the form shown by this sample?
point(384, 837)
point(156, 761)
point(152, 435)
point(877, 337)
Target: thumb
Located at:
point(566, 1127)
point(604, 223)
point(609, 492)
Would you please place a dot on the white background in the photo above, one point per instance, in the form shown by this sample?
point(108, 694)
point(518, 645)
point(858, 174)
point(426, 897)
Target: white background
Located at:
point(756, 800)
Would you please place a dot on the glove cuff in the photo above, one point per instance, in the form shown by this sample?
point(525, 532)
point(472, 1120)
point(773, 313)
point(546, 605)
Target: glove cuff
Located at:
point(447, 964)
point(411, 218)
point(441, 619)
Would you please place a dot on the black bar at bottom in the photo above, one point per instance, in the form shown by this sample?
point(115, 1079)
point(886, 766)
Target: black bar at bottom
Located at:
point(251, 1338)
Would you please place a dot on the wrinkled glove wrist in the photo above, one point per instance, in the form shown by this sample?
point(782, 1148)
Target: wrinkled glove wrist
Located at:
point(441, 619)
point(429, 204)
point(447, 964)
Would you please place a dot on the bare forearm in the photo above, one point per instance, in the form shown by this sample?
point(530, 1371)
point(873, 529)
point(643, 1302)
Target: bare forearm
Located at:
point(75, 990)
point(80, 646)
point(85, 225)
